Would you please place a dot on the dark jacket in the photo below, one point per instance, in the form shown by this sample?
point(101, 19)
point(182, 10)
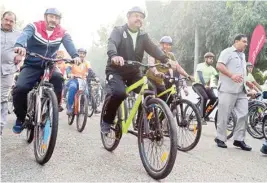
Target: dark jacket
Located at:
point(120, 43)
point(34, 37)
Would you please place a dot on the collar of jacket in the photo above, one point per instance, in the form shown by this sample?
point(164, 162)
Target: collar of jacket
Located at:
point(43, 24)
point(125, 27)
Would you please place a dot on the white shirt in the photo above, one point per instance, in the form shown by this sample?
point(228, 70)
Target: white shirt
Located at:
point(134, 37)
point(49, 33)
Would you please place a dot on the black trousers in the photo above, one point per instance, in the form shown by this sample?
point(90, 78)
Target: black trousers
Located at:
point(205, 94)
point(26, 80)
point(116, 85)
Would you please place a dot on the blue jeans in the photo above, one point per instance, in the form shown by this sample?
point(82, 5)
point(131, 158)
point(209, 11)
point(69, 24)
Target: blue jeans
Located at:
point(72, 87)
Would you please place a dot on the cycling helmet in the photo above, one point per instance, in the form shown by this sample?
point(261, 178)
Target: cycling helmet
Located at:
point(53, 11)
point(166, 39)
point(249, 64)
point(82, 50)
point(209, 54)
point(136, 9)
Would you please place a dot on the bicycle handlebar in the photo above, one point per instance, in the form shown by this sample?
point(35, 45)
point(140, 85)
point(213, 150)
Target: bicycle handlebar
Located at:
point(130, 62)
point(50, 59)
point(175, 78)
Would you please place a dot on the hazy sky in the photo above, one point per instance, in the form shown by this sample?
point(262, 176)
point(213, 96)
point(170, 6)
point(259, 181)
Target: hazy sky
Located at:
point(80, 17)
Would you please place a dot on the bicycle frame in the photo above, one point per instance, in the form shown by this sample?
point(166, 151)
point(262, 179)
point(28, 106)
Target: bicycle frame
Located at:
point(171, 91)
point(125, 123)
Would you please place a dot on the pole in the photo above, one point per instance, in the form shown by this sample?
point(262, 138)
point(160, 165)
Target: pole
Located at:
point(196, 58)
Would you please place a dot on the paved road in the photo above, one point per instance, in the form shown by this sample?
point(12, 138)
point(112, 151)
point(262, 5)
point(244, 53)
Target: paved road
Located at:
point(81, 157)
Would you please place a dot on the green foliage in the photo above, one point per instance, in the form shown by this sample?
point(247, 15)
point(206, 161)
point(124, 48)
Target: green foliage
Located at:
point(258, 76)
point(217, 21)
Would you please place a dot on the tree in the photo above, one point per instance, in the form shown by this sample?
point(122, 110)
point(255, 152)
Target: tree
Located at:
point(217, 22)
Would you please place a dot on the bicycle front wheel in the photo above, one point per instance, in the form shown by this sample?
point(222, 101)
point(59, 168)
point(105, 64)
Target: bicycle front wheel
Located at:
point(264, 127)
point(82, 113)
point(91, 105)
point(188, 123)
point(255, 120)
point(156, 128)
point(46, 132)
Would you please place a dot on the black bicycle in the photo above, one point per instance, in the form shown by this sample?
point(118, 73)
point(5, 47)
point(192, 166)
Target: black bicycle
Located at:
point(42, 113)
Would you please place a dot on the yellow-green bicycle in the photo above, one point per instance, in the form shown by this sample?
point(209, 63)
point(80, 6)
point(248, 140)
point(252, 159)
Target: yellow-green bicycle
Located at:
point(188, 126)
point(154, 112)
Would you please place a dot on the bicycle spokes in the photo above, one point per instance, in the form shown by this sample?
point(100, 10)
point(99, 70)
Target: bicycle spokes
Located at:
point(157, 151)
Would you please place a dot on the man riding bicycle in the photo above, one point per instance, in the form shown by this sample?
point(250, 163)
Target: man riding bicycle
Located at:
point(250, 78)
point(44, 38)
point(79, 72)
point(126, 42)
point(90, 77)
point(156, 74)
point(204, 76)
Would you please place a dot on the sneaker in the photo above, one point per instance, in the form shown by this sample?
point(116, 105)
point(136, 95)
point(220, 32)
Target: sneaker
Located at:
point(264, 149)
point(17, 128)
point(105, 127)
point(69, 110)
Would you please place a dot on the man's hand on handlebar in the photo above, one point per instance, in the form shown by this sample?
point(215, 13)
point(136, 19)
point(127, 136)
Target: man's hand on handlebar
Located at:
point(191, 78)
point(159, 74)
point(20, 51)
point(117, 60)
point(77, 60)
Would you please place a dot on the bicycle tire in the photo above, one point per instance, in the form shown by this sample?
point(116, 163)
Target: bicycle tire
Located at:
point(71, 119)
point(54, 129)
point(81, 128)
point(250, 126)
point(117, 130)
point(93, 104)
point(198, 126)
point(264, 127)
point(234, 119)
point(165, 171)
point(29, 134)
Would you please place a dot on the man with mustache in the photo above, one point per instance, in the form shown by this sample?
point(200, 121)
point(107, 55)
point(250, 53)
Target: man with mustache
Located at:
point(44, 38)
point(156, 74)
point(126, 42)
point(8, 64)
point(232, 92)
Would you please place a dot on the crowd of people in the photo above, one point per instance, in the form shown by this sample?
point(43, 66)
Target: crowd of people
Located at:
point(126, 42)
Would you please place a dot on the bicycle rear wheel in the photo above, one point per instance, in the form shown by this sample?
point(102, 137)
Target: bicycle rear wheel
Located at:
point(189, 124)
point(46, 132)
point(82, 113)
point(151, 128)
point(112, 140)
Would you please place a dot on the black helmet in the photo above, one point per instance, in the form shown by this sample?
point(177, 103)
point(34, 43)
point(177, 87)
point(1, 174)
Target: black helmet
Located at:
point(136, 9)
point(82, 50)
point(166, 39)
point(53, 11)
